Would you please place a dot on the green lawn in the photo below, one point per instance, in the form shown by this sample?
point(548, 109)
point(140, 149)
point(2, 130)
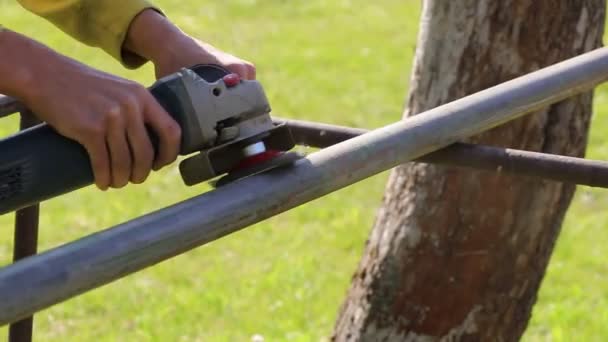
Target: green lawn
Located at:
point(343, 62)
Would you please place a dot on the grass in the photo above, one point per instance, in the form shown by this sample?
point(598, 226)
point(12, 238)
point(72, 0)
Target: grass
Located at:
point(343, 62)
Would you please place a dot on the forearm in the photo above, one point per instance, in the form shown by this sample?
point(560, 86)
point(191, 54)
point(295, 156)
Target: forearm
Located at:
point(153, 37)
point(28, 69)
point(17, 63)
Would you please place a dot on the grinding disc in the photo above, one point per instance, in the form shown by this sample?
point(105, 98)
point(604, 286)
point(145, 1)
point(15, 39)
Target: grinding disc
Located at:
point(283, 159)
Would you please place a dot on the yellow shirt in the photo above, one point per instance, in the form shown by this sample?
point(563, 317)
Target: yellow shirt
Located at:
point(99, 23)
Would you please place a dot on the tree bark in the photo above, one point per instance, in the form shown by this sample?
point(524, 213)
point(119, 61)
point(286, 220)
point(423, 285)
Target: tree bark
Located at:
point(458, 254)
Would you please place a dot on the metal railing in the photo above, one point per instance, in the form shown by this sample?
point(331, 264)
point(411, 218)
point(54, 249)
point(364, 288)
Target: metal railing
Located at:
point(40, 281)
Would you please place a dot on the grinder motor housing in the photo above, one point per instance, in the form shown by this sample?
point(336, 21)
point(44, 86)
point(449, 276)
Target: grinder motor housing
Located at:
point(222, 115)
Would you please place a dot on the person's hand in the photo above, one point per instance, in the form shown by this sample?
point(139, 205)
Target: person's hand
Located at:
point(191, 51)
point(178, 50)
point(106, 114)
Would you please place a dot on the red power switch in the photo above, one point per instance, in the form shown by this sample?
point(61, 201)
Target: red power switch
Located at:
point(231, 80)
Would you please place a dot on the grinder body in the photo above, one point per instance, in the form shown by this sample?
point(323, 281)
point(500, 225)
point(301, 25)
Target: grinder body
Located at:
point(38, 163)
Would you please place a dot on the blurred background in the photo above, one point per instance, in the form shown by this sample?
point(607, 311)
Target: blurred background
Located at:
point(345, 62)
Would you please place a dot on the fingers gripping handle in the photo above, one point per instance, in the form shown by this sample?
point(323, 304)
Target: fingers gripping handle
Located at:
point(38, 163)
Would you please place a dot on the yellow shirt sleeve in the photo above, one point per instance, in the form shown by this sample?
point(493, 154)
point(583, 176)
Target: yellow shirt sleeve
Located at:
point(99, 23)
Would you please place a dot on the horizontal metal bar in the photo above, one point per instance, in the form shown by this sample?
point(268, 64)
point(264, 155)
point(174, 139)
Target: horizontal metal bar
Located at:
point(40, 281)
point(9, 106)
point(524, 163)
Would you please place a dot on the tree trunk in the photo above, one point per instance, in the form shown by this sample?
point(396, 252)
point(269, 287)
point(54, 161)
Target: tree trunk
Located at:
point(458, 254)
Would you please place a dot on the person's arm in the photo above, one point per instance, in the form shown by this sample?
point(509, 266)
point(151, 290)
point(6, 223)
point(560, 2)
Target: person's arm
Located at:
point(99, 23)
point(105, 113)
point(134, 31)
point(154, 37)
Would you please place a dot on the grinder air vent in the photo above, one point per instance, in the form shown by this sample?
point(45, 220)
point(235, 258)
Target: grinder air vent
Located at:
point(11, 182)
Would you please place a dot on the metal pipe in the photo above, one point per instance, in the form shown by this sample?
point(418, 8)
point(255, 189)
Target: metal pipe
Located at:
point(25, 244)
point(9, 106)
point(64, 272)
point(524, 163)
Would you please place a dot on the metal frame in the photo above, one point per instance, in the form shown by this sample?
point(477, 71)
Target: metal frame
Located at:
point(40, 281)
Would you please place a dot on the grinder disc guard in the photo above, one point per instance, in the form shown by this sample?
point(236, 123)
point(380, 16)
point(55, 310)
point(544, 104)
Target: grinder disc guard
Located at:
point(241, 157)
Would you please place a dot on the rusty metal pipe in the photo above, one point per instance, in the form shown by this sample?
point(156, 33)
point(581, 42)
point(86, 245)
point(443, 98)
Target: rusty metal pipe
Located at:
point(524, 163)
point(48, 278)
point(25, 244)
